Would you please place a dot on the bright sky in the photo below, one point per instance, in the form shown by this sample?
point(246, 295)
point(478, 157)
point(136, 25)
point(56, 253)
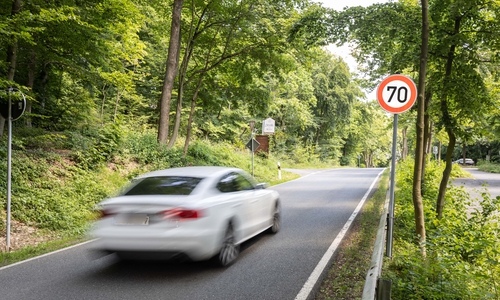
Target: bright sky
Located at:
point(344, 51)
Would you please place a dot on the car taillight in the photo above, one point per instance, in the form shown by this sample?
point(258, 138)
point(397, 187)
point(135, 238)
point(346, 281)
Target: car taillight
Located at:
point(182, 214)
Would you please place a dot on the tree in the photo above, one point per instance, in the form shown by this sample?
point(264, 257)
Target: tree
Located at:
point(419, 149)
point(171, 71)
point(466, 35)
point(11, 55)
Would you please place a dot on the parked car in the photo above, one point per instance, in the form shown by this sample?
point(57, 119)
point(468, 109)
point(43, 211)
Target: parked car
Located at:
point(191, 213)
point(468, 161)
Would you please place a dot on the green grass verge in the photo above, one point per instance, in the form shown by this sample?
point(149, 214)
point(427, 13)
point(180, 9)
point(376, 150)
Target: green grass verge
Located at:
point(346, 278)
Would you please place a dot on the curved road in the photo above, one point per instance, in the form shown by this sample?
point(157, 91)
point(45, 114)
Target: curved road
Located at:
point(315, 207)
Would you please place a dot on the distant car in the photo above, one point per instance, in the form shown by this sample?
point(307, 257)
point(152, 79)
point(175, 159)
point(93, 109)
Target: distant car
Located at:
point(468, 161)
point(191, 213)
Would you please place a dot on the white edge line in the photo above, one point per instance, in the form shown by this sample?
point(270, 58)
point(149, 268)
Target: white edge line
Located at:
point(43, 255)
point(316, 274)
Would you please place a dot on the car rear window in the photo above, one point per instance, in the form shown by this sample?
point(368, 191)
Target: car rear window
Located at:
point(164, 185)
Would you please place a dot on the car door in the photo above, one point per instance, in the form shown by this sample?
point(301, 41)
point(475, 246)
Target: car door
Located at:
point(240, 203)
point(258, 205)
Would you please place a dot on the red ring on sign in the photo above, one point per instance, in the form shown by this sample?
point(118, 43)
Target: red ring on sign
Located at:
point(411, 101)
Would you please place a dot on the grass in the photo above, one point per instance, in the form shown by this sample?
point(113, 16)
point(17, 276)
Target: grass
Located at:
point(486, 166)
point(346, 278)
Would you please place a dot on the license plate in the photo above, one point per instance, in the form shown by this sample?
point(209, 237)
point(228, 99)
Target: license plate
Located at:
point(132, 219)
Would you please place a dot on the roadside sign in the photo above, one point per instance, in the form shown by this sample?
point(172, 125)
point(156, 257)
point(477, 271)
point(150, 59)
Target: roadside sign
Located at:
point(17, 107)
point(268, 126)
point(435, 149)
point(252, 144)
point(397, 93)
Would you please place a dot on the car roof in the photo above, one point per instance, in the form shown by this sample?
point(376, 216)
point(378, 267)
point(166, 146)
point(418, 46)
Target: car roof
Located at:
point(195, 171)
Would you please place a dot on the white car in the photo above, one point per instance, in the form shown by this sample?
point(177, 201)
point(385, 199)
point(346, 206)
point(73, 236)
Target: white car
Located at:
point(194, 213)
point(468, 161)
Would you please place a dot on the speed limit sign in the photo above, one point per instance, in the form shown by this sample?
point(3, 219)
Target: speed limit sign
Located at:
point(397, 93)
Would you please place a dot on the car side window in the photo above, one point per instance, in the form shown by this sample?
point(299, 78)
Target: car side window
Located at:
point(243, 183)
point(228, 183)
point(234, 182)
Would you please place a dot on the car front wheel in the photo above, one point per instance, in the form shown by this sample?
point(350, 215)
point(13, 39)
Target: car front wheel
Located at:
point(276, 221)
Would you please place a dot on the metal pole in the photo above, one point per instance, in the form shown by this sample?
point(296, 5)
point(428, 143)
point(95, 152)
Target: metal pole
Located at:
point(252, 153)
point(390, 224)
point(9, 171)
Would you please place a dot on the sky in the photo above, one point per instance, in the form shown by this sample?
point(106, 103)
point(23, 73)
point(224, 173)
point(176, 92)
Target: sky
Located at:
point(344, 51)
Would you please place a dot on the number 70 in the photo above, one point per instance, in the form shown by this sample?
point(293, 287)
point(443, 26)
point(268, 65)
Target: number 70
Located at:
point(402, 93)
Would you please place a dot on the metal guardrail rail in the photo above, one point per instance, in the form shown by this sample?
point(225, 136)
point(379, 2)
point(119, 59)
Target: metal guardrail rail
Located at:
point(374, 272)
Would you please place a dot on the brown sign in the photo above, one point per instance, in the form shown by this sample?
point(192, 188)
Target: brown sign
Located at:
point(264, 143)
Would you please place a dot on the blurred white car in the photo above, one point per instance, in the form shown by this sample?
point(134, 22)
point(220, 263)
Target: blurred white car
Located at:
point(468, 161)
point(194, 213)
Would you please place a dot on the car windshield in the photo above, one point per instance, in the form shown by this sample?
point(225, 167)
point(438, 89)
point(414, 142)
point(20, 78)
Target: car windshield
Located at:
point(163, 185)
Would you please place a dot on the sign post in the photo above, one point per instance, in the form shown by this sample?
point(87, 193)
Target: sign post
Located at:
point(252, 144)
point(10, 111)
point(395, 94)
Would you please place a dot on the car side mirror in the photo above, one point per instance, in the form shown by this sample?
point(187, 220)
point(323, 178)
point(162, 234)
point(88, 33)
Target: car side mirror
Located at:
point(262, 185)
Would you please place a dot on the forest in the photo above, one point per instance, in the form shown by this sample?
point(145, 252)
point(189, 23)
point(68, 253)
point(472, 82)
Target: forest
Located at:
point(91, 66)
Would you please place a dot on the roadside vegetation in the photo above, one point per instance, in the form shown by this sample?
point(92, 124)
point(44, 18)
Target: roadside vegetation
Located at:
point(487, 166)
point(463, 257)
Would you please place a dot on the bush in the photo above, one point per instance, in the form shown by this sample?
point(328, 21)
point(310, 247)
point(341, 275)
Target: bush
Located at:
point(463, 260)
point(486, 166)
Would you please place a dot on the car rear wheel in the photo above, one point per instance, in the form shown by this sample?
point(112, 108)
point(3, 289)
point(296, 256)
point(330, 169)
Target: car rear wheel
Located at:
point(276, 225)
point(229, 250)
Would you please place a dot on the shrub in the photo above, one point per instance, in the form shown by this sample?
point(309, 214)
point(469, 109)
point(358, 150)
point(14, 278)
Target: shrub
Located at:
point(463, 260)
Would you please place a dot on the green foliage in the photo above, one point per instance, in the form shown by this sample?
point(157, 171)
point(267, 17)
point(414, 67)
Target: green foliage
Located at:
point(485, 166)
point(96, 145)
point(48, 192)
point(143, 148)
point(462, 247)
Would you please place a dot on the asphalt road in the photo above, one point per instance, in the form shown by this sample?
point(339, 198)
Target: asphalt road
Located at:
point(480, 182)
point(315, 208)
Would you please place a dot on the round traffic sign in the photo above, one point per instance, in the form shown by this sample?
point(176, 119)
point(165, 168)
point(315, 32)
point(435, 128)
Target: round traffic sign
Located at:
point(18, 105)
point(397, 93)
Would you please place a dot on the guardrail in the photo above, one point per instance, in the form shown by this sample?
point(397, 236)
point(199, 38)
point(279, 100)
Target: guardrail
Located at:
point(372, 288)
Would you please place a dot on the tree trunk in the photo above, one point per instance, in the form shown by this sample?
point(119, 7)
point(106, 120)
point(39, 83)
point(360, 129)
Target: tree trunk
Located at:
point(427, 139)
point(419, 149)
point(446, 174)
point(11, 56)
point(191, 115)
point(171, 72)
point(182, 76)
point(448, 124)
point(404, 152)
point(193, 101)
point(439, 153)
